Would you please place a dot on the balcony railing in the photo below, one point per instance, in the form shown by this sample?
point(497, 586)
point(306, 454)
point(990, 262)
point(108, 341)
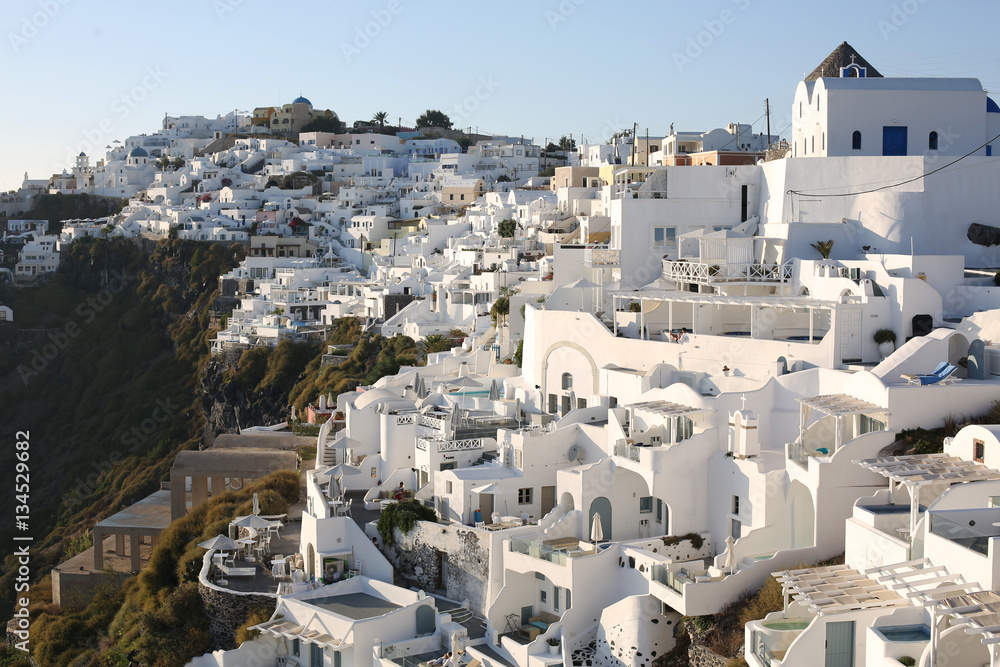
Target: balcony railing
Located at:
point(701, 272)
point(663, 575)
point(627, 451)
point(601, 255)
point(962, 533)
point(760, 649)
point(469, 444)
point(535, 549)
point(410, 418)
point(799, 454)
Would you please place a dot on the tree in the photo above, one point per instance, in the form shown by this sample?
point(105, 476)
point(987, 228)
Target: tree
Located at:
point(567, 144)
point(464, 141)
point(506, 228)
point(434, 118)
point(552, 148)
point(548, 171)
point(178, 163)
point(500, 309)
point(823, 248)
point(324, 124)
point(379, 118)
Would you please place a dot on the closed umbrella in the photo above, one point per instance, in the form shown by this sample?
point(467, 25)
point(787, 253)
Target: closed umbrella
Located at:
point(219, 543)
point(730, 553)
point(494, 391)
point(256, 504)
point(596, 529)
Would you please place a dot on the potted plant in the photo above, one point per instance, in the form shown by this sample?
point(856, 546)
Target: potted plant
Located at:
point(886, 340)
point(554, 645)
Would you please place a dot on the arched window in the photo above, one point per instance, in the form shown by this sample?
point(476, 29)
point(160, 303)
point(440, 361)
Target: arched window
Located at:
point(932, 141)
point(856, 140)
point(567, 381)
point(812, 144)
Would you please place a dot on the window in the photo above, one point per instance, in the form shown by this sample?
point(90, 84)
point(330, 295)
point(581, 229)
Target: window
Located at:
point(932, 141)
point(856, 140)
point(567, 381)
point(978, 451)
point(645, 504)
point(524, 496)
point(296, 644)
point(736, 505)
point(452, 197)
point(581, 403)
point(447, 487)
point(664, 237)
point(553, 403)
point(555, 598)
point(569, 599)
point(735, 528)
point(542, 596)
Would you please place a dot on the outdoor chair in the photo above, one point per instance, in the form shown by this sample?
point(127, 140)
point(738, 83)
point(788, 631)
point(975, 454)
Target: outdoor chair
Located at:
point(941, 374)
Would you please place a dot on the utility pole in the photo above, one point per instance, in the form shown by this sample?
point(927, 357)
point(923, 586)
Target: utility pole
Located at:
point(647, 146)
point(635, 129)
point(767, 112)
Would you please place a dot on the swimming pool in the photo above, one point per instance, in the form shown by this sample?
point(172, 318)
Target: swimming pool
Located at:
point(786, 625)
point(888, 509)
point(905, 633)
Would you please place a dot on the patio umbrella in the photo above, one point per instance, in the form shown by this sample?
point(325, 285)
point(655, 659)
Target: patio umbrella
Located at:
point(335, 475)
point(596, 529)
point(572, 399)
point(456, 417)
point(251, 521)
point(219, 543)
point(256, 504)
point(494, 391)
point(730, 553)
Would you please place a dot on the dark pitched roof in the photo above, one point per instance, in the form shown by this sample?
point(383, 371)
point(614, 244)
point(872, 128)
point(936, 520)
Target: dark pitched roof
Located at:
point(841, 57)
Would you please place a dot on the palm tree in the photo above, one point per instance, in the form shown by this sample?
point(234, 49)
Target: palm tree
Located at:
point(380, 118)
point(823, 248)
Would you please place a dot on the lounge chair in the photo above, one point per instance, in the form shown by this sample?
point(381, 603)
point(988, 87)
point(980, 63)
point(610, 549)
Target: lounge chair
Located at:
point(941, 374)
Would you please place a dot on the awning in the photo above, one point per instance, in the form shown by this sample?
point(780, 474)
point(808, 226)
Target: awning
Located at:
point(841, 404)
point(292, 630)
point(920, 469)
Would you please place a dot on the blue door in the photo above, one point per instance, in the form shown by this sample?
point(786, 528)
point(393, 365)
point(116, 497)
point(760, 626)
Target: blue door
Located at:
point(893, 140)
point(840, 644)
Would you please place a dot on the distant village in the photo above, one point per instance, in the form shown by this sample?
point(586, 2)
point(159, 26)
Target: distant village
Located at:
point(682, 368)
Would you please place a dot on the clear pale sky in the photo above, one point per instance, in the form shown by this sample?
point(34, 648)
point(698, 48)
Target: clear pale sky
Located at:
point(83, 73)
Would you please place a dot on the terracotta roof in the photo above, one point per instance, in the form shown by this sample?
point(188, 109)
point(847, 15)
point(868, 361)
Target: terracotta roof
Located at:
point(841, 57)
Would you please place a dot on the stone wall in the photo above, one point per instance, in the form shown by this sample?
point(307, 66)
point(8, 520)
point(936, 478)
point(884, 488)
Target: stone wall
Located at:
point(227, 611)
point(702, 656)
point(418, 556)
point(74, 590)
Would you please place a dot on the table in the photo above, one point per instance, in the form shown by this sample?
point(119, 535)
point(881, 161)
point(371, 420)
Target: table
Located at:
point(246, 544)
point(387, 501)
point(278, 567)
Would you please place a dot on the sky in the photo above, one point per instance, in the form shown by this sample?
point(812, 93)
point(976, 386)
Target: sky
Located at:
point(82, 74)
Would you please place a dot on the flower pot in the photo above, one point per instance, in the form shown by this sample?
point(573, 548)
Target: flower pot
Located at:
point(554, 650)
point(886, 348)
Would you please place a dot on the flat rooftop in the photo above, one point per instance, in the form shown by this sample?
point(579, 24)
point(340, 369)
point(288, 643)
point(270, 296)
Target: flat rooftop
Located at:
point(356, 606)
point(153, 511)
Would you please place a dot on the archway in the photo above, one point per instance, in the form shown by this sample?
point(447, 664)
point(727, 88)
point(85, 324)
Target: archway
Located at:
point(566, 501)
point(602, 506)
point(310, 559)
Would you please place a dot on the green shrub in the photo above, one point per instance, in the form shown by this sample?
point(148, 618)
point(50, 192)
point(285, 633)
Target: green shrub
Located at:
point(404, 516)
point(885, 336)
point(908, 661)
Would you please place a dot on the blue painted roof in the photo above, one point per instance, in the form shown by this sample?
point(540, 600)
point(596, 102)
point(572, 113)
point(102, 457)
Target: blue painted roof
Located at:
point(138, 151)
point(991, 106)
point(301, 100)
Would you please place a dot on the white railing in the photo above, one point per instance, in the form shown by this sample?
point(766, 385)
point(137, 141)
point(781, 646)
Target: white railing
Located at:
point(468, 444)
point(601, 255)
point(438, 424)
point(406, 419)
point(708, 273)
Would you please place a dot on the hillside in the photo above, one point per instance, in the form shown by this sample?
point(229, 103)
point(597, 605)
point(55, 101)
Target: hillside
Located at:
point(101, 368)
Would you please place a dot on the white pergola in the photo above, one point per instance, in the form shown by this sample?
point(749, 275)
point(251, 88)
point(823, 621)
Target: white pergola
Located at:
point(978, 611)
point(670, 297)
point(668, 411)
point(293, 630)
point(841, 588)
point(918, 470)
point(838, 406)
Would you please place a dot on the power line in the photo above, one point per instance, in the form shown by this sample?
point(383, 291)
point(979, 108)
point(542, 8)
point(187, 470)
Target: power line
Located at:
point(893, 185)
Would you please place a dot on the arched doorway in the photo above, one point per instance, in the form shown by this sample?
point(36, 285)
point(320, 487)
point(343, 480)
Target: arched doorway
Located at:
point(310, 559)
point(602, 506)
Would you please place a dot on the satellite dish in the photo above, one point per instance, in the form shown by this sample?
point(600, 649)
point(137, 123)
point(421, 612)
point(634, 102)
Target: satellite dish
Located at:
point(573, 453)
